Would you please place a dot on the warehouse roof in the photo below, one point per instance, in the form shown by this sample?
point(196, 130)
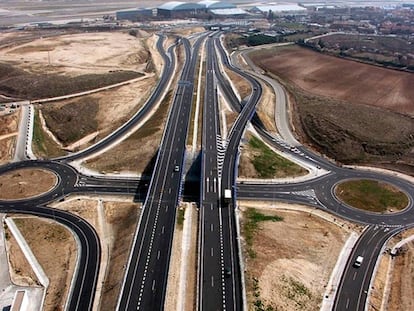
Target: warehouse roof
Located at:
point(213, 4)
point(229, 12)
point(279, 8)
point(178, 5)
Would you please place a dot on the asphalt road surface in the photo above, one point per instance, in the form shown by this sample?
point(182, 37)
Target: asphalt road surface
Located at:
point(145, 283)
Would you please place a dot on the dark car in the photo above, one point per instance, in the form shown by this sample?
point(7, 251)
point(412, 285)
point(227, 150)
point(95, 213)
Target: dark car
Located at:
point(227, 272)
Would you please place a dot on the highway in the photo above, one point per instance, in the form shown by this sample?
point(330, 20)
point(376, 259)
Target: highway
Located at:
point(215, 285)
point(219, 278)
point(145, 282)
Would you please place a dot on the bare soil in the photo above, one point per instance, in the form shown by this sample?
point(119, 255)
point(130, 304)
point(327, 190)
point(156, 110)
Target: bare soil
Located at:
point(115, 222)
point(241, 84)
point(364, 115)
point(138, 152)
point(25, 183)
point(100, 113)
point(9, 124)
point(174, 274)
point(394, 279)
point(41, 234)
point(294, 259)
point(266, 108)
point(402, 287)
point(79, 54)
point(21, 272)
point(357, 83)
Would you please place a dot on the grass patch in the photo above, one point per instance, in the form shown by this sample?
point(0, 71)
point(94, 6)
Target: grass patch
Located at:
point(251, 226)
point(269, 164)
point(371, 195)
point(297, 292)
point(258, 304)
point(180, 218)
point(43, 145)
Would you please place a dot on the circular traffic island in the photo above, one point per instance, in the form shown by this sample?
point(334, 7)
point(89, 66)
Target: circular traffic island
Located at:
point(372, 196)
point(26, 183)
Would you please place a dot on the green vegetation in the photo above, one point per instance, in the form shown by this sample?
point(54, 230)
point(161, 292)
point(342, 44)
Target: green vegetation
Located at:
point(269, 164)
point(251, 226)
point(371, 195)
point(258, 304)
point(297, 292)
point(42, 144)
point(180, 217)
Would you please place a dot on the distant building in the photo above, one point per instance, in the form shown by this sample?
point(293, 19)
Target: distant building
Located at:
point(279, 9)
point(229, 12)
point(216, 5)
point(135, 15)
point(177, 9)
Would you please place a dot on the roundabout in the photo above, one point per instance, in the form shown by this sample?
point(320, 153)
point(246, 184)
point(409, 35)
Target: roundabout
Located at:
point(371, 195)
point(23, 184)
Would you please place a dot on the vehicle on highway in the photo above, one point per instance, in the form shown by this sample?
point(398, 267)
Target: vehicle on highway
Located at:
point(358, 261)
point(227, 272)
point(176, 168)
point(227, 196)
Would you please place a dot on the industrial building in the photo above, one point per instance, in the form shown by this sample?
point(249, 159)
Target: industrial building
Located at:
point(176, 9)
point(279, 9)
point(135, 15)
point(216, 5)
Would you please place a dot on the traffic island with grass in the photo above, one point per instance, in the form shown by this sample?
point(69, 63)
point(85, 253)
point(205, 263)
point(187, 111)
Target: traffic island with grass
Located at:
point(371, 195)
point(259, 161)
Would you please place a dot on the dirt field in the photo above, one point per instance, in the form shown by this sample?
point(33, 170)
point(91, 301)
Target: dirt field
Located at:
point(402, 287)
point(357, 83)
point(21, 272)
point(266, 109)
point(79, 122)
point(58, 265)
point(115, 221)
point(98, 114)
point(294, 259)
point(8, 125)
point(25, 183)
point(78, 54)
point(137, 153)
point(241, 84)
point(353, 119)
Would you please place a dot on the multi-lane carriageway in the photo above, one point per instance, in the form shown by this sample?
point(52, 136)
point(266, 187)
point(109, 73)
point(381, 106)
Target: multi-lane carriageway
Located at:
point(219, 274)
point(145, 284)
